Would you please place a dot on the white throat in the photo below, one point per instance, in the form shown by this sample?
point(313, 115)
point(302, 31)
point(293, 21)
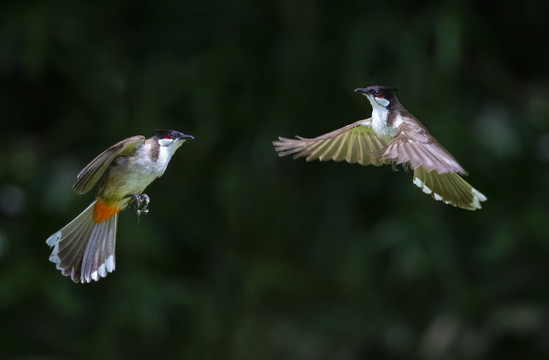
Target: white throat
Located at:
point(166, 152)
point(379, 118)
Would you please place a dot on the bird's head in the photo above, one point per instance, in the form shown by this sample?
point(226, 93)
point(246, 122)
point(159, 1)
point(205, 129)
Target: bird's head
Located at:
point(380, 96)
point(171, 138)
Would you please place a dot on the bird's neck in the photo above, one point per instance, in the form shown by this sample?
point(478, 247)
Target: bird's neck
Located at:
point(159, 155)
point(384, 122)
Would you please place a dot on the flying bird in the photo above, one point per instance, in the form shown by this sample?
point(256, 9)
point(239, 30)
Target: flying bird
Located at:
point(391, 136)
point(84, 248)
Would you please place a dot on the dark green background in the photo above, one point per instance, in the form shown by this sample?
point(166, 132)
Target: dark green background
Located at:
point(245, 255)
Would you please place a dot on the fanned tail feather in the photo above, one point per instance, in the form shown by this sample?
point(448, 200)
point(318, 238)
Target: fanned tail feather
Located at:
point(449, 188)
point(84, 249)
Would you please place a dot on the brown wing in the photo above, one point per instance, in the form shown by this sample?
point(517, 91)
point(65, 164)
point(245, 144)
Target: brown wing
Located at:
point(449, 188)
point(89, 176)
point(354, 143)
point(414, 145)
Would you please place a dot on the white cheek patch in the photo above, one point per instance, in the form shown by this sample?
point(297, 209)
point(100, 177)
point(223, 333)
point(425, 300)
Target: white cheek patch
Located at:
point(381, 101)
point(165, 142)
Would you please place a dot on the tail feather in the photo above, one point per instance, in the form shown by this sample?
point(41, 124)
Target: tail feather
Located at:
point(84, 249)
point(449, 188)
point(70, 248)
point(98, 257)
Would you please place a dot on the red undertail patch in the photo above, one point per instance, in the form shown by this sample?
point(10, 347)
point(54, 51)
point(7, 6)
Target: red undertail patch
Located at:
point(104, 211)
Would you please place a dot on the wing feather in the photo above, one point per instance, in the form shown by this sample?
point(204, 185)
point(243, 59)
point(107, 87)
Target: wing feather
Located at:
point(90, 175)
point(354, 143)
point(414, 145)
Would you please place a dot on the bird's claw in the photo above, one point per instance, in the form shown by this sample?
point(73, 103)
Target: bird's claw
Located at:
point(405, 166)
point(142, 202)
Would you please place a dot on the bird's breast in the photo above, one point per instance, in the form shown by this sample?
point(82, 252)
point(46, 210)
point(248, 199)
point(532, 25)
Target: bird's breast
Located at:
point(384, 124)
point(132, 174)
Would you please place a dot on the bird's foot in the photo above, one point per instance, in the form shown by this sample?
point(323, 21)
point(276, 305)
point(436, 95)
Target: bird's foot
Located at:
point(142, 202)
point(405, 166)
point(142, 209)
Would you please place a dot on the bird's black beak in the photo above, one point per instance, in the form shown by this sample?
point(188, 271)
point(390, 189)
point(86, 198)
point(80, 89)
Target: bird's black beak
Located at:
point(361, 91)
point(185, 136)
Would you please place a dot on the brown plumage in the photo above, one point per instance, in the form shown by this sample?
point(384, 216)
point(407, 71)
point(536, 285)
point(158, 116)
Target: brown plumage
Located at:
point(84, 249)
point(391, 136)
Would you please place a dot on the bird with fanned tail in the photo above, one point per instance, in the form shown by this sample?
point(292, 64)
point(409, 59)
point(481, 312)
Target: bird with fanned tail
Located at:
point(391, 136)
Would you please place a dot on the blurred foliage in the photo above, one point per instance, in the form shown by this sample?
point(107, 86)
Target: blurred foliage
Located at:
point(245, 255)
